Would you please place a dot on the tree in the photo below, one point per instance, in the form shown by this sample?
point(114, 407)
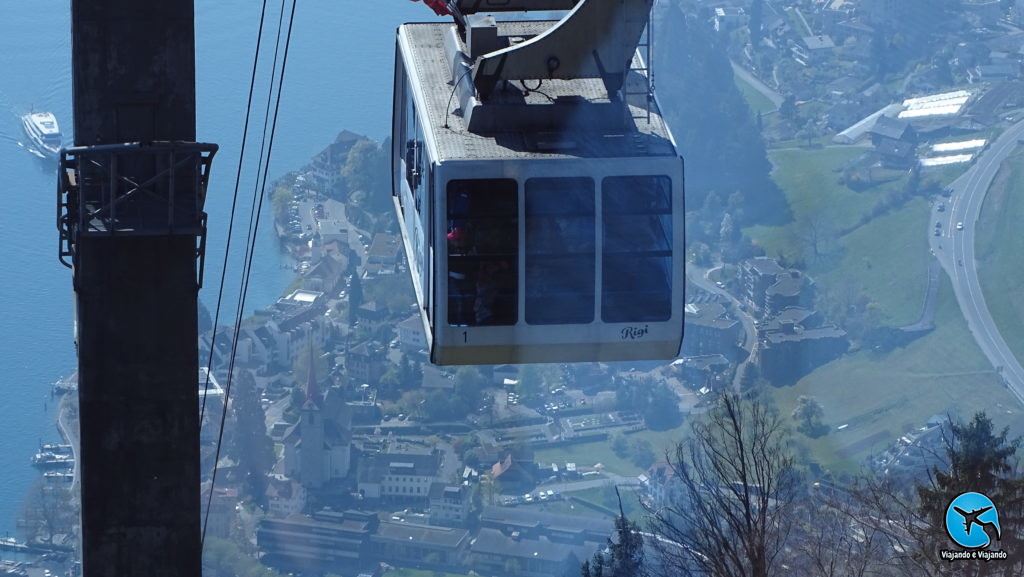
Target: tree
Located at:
point(642, 453)
point(728, 232)
point(837, 536)
point(808, 413)
point(531, 382)
point(756, 17)
point(620, 446)
point(249, 443)
point(225, 558)
point(281, 199)
point(819, 233)
point(807, 132)
point(48, 512)
point(737, 481)
point(624, 555)
point(662, 410)
point(364, 172)
point(912, 518)
point(355, 299)
point(787, 109)
point(979, 459)
point(716, 131)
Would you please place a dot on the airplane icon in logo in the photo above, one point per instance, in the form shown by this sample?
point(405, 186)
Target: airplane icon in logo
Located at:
point(971, 518)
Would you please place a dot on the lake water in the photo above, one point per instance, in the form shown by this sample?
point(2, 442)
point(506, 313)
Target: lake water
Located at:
point(339, 77)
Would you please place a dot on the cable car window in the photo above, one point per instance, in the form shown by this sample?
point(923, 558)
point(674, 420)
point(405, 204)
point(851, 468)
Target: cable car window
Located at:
point(560, 250)
point(413, 155)
point(636, 284)
point(483, 246)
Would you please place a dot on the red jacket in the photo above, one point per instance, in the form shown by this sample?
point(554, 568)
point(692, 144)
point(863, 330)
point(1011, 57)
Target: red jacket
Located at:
point(438, 6)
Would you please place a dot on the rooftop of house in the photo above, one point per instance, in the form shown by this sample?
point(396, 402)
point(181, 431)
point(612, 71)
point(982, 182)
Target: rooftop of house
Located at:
point(763, 265)
point(374, 468)
point(787, 285)
point(896, 148)
point(422, 535)
point(496, 543)
point(818, 42)
point(413, 323)
point(512, 518)
point(710, 315)
point(446, 491)
point(888, 127)
point(384, 247)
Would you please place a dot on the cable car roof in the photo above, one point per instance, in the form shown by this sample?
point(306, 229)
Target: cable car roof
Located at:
point(558, 119)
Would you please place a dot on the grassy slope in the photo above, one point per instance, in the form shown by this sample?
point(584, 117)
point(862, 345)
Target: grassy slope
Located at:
point(755, 100)
point(887, 257)
point(882, 396)
point(878, 396)
point(999, 246)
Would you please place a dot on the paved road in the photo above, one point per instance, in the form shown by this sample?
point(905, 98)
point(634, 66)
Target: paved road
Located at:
point(955, 251)
point(70, 434)
point(700, 277)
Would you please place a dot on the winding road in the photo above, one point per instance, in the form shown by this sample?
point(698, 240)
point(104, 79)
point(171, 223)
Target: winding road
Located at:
point(955, 252)
point(701, 278)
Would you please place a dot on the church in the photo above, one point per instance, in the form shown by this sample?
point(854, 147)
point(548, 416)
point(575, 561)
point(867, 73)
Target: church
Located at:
point(318, 448)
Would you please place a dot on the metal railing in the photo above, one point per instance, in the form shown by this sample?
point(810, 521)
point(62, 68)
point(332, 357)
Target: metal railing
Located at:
point(132, 189)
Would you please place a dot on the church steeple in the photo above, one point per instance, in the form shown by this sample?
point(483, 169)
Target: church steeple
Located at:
point(311, 453)
point(312, 388)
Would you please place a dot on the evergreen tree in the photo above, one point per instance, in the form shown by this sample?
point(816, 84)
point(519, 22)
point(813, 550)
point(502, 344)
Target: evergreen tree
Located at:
point(355, 299)
point(709, 117)
point(756, 18)
point(624, 555)
point(249, 443)
point(978, 460)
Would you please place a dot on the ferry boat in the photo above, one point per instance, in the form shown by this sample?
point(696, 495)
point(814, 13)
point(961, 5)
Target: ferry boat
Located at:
point(55, 448)
point(42, 129)
point(48, 460)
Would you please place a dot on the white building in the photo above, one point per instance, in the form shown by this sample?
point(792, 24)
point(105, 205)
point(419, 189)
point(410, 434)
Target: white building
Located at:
point(449, 504)
point(397, 476)
point(411, 337)
point(285, 497)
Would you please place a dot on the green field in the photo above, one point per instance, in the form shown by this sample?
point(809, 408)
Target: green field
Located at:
point(605, 497)
point(882, 396)
point(755, 100)
point(886, 258)
point(589, 454)
point(999, 246)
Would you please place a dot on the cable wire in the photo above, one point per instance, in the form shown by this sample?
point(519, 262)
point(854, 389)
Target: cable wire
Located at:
point(252, 240)
point(231, 220)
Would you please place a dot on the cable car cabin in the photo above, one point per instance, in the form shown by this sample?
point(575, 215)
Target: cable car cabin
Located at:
point(544, 224)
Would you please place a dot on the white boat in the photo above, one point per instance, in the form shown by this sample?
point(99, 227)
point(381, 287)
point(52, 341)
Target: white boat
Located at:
point(47, 460)
point(44, 132)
